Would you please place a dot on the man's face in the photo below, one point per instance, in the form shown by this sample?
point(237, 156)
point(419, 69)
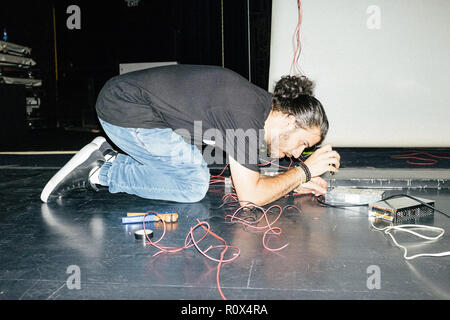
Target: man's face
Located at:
point(292, 141)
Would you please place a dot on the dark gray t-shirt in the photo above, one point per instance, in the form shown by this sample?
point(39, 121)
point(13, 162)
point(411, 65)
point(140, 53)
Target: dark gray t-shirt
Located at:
point(179, 96)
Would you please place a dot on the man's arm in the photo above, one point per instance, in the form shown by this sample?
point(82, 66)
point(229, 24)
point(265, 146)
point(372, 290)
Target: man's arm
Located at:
point(260, 190)
point(251, 186)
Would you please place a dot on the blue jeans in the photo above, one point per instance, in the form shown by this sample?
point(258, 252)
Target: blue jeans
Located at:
point(159, 165)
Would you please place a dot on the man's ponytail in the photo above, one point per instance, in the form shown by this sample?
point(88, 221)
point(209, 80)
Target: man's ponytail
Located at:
point(293, 95)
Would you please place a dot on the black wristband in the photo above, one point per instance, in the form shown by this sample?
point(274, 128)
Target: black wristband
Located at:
point(306, 169)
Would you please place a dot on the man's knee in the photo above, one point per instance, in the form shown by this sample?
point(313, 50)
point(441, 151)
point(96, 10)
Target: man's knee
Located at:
point(196, 193)
point(198, 189)
point(195, 197)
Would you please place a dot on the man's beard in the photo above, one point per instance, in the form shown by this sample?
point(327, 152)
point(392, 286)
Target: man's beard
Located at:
point(270, 152)
point(273, 149)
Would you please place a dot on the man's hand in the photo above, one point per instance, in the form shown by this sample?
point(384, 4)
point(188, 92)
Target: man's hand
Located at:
point(322, 160)
point(316, 186)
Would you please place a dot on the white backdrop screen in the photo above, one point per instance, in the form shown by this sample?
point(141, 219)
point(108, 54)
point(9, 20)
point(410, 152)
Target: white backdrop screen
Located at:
point(381, 68)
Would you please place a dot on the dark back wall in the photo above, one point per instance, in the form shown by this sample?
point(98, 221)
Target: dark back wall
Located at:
point(112, 33)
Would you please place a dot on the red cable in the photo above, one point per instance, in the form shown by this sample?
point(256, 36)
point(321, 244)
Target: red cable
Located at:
point(413, 155)
point(266, 163)
point(218, 178)
point(190, 241)
point(268, 227)
point(297, 43)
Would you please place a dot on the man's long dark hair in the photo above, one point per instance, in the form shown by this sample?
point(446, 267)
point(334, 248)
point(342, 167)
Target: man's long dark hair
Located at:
point(294, 95)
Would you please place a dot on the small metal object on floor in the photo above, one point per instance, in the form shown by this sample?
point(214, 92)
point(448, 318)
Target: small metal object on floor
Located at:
point(142, 234)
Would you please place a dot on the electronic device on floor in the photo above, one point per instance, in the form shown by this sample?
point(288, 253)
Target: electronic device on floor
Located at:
point(342, 194)
point(402, 210)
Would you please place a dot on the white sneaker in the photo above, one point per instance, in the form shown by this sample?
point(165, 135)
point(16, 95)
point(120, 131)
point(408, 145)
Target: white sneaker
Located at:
point(105, 148)
point(75, 173)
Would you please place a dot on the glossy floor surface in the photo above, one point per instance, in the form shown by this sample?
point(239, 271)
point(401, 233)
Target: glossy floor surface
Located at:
point(332, 253)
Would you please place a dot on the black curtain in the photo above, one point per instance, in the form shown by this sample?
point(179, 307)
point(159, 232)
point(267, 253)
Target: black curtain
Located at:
point(111, 33)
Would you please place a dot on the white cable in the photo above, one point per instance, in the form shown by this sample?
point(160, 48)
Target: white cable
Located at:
point(404, 228)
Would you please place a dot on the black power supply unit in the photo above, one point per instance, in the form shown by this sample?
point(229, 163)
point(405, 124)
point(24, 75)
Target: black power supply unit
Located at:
point(401, 210)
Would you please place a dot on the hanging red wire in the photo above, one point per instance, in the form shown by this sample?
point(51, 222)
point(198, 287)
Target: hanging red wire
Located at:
point(295, 67)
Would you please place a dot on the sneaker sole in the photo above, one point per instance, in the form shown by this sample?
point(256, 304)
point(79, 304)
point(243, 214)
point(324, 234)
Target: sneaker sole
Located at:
point(80, 157)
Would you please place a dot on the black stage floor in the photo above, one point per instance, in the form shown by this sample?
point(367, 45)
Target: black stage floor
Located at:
point(329, 256)
point(332, 253)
